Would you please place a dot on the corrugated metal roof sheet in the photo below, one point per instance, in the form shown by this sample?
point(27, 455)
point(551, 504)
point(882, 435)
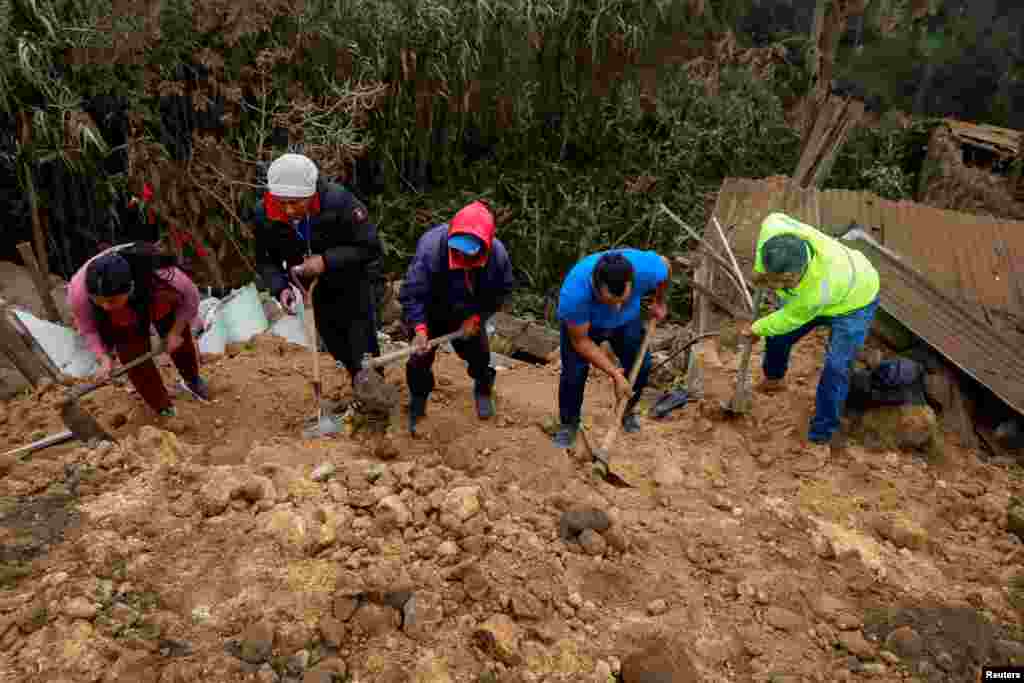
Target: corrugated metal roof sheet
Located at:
point(969, 267)
point(1002, 141)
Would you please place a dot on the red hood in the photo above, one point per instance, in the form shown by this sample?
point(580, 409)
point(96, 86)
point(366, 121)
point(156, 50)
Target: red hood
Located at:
point(476, 220)
point(276, 213)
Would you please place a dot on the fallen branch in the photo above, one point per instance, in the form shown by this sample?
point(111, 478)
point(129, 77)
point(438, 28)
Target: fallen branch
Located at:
point(732, 258)
point(711, 252)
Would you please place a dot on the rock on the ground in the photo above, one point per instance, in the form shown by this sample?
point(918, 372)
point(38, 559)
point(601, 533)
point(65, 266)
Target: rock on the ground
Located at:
point(855, 643)
point(393, 512)
point(431, 668)
point(215, 495)
point(576, 521)
point(373, 620)
point(668, 474)
point(80, 608)
point(462, 503)
point(657, 607)
point(659, 662)
point(903, 532)
point(289, 529)
point(784, 619)
point(905, 642)
point(592, 542)
point(499, 636)
point(257, 642)
point(905, 426)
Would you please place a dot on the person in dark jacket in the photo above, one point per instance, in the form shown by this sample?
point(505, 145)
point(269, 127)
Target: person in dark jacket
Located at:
point(309, 228)
point(459, 277)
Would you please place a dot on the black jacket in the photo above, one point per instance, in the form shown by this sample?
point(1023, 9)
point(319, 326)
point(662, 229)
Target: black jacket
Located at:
point(342, 233)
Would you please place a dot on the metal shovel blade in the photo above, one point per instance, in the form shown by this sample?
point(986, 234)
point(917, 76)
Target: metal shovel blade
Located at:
point(600, 463)
point(325, 425)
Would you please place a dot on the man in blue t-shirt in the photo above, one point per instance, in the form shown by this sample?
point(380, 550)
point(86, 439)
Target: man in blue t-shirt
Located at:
point(599, 301)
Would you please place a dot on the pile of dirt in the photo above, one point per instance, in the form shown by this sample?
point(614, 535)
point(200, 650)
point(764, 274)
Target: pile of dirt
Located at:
point(221, 546)
point(955, 186)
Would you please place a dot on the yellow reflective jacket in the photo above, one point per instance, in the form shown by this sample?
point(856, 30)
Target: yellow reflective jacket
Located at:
point(838, 279)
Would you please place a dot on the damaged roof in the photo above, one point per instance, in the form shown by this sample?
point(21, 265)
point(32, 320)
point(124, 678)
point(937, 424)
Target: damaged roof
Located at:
point(960, 286)
point(1005, 142)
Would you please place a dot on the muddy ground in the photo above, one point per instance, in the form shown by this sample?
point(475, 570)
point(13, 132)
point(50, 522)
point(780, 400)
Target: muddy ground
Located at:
point(221, 546)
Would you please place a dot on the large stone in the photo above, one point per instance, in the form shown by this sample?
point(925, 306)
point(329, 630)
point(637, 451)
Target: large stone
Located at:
point(592, 542)
point(215, 495)
point(855, 643)
point(499, 636)
point(462, 503)
point(905, 642)
point(904, 533)
point(576, 521)
point(659, 662)
point(905, 426)
point(257, 642)
point(392, 512)
point(784, 619)
point(289, 529)
point(373, 620)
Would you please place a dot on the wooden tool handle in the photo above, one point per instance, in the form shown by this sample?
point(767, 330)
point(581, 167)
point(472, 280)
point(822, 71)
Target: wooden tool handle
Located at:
point(404, 353)
point(620, 409)
point(80, 391)
point(748, 346)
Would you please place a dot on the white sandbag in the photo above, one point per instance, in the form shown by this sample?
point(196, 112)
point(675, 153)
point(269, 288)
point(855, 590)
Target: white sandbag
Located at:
point(242, 314)
point(64, 346)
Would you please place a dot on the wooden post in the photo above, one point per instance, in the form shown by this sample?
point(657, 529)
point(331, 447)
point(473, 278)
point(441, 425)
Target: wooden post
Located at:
point(38, 233)
point(701, 320)
point(41, 280)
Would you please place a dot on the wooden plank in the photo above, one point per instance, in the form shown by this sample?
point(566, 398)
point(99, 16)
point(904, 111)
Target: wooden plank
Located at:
point(41, 281)
point(21, 355)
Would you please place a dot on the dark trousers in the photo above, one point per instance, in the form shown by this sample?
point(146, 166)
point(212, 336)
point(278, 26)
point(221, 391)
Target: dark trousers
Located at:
point(130, 343)
point(476, 351)
point(625, 341)
point(348, 330)
point(847, 336)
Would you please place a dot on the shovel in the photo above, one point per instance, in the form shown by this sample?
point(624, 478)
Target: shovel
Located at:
point(377, 394)
point(325, 424)
point(601, 456)
point(80, 423)
point(741, 400)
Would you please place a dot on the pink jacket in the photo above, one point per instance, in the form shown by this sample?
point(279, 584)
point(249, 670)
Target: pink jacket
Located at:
point(186, 305)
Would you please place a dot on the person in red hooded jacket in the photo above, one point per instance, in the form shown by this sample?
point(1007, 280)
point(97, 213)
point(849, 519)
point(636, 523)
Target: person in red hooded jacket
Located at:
point(460, 276)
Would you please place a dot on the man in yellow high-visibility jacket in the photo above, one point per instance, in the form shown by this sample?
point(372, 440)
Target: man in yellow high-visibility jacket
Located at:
point(820, 282)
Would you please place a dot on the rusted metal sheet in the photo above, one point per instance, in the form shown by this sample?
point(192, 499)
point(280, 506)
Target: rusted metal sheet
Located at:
point(951, 328)
point(1005, 142)
point(975, 262)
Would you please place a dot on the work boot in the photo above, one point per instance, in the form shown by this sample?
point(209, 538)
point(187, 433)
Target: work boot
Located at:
point(483, 391)
point(771, 386)
point(565, 437)
point(417, 409)
point(630, 421)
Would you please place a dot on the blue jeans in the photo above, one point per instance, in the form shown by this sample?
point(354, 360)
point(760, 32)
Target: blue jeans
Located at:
point(847, 338)
point(625, 341)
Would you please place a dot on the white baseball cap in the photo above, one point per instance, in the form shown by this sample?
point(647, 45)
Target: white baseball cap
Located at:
point(292, 176)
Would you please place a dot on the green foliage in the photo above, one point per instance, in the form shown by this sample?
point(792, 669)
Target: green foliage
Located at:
point(885, 160)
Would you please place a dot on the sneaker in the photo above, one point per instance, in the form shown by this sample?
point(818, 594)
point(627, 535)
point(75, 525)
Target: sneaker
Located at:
point(169, 411)
point(198, 388)
point(565, 437)
point(771, 386)
point(484, 405)
point(630, 423)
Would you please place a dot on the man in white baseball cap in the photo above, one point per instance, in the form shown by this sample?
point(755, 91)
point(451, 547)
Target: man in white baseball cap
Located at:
point(310, 228)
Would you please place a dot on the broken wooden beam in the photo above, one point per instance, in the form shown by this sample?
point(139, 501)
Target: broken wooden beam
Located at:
point(26, 357)
point(831, 119)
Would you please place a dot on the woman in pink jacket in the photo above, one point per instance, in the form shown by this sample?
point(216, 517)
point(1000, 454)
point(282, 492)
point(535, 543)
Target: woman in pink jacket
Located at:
point(117, 295)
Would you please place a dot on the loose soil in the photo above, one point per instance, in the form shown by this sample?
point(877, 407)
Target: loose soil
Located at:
point(221, 546)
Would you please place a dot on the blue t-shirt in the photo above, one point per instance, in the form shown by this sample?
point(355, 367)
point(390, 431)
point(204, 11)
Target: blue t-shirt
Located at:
point(577, 301)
